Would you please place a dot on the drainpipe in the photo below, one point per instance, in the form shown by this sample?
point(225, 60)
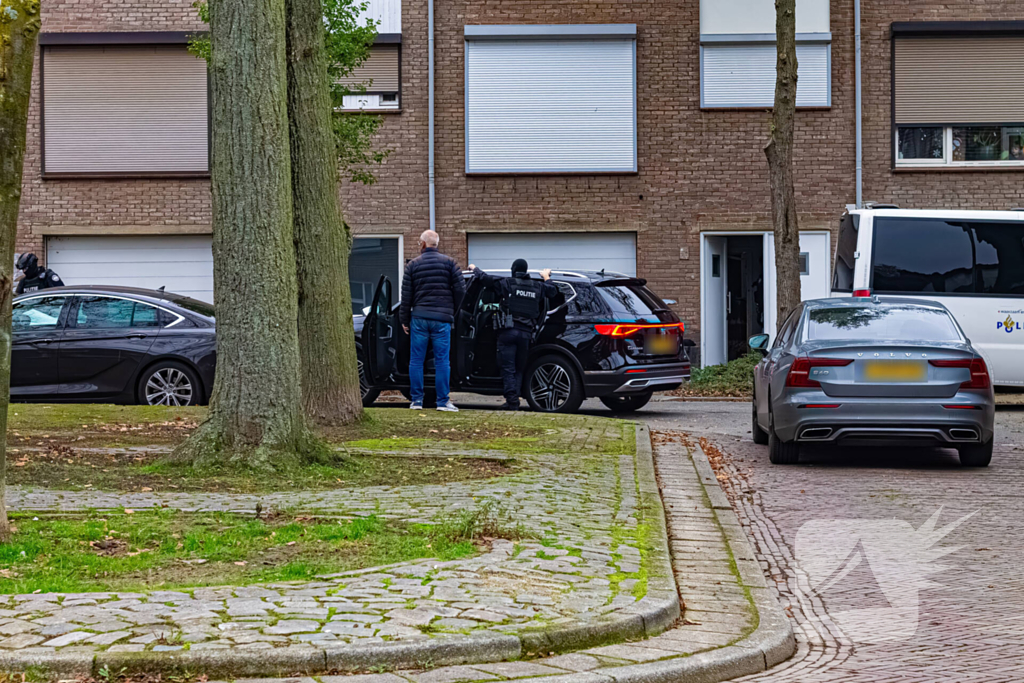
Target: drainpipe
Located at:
point(430, 109)
point(859, 114)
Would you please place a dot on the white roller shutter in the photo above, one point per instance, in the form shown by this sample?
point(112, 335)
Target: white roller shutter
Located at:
point(743, 75)
point(610, 251)
point(124, 109)
point(550, 106)
point(183, 264)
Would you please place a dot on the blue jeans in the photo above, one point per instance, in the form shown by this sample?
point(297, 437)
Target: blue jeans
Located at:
point(439, 335)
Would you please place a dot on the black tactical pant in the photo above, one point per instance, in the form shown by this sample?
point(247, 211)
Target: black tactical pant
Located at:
point(513, 347)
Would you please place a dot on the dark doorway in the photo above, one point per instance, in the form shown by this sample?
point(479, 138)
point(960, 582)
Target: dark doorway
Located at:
point(745, 293)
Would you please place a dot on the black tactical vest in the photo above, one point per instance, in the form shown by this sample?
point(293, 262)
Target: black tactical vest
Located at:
point(525, 299)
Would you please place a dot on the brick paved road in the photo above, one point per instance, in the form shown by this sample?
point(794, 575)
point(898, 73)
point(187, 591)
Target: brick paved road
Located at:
point(970, 626)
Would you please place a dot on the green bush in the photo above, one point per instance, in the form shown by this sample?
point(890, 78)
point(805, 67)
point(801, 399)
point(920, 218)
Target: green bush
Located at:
point(735, 378)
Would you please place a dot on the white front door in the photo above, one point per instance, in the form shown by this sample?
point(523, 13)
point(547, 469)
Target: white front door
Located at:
point(713, 314)
point(815, 272)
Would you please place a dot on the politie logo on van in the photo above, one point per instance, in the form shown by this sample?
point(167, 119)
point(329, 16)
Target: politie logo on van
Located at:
point(1009, 325)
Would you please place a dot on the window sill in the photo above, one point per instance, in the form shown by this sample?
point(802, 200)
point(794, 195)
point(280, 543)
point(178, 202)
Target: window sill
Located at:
point(947, 168)
point(763, 109)
point(506, 174)
point(128, 175)
point(368, 111)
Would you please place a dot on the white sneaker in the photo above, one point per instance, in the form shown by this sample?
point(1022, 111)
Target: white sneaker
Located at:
point(416, 405)
point(448, 407)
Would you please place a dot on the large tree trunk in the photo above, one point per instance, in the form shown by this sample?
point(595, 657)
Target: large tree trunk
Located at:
point(330, 379)
point(256, 407)
point(19, 29)
point(780, 163)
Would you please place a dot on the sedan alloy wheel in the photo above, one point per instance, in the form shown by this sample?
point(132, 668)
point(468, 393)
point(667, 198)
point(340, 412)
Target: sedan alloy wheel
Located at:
point(169, 386)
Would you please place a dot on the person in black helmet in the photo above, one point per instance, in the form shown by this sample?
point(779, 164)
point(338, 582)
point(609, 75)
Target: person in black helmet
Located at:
point(523, 304)
point(36, 278)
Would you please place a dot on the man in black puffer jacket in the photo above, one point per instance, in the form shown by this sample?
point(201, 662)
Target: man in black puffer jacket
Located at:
point(432, 290)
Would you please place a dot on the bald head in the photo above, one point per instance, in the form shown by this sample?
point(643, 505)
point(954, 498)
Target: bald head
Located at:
point(429, 238)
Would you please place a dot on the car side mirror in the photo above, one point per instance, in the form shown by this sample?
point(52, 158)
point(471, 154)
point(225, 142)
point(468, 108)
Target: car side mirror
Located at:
point(759, 343)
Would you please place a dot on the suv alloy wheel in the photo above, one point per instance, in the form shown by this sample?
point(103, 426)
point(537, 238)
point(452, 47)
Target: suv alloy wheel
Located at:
point(553, 385)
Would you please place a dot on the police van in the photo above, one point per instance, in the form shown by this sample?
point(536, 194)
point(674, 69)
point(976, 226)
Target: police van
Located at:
point(970, 261)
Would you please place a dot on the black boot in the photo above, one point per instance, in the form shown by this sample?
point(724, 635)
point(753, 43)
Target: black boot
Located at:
point(509, 406)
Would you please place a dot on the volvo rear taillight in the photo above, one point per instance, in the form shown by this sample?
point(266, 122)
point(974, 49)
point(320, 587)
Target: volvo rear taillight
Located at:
point(800, 371)
point(979, 371)
point(629, 329)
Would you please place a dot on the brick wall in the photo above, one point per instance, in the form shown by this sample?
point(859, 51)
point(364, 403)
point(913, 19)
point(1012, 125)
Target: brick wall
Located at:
point(699, 170)
point(102, 203)
point(923, 189)
point(397, 203)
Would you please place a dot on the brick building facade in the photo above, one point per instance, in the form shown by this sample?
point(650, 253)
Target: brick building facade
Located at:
point(700, 170)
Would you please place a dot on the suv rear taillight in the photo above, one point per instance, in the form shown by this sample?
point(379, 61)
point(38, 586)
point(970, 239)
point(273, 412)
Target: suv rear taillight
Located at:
point(862, 293)
point(800, 371)
point(629, 329)
point(979, 371)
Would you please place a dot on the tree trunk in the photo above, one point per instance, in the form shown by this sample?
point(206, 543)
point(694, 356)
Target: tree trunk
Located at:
point(330, 378)
point(19, 29)
point(256, 407)
point(780, 163)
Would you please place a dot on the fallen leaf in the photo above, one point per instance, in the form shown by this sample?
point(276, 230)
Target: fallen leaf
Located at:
point(146, 488)
point(240, 564)
point(129, 512)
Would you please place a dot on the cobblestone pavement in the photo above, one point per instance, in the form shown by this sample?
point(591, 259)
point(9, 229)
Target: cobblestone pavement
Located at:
point(969, 625)
point(583, 505)
point(718, 610)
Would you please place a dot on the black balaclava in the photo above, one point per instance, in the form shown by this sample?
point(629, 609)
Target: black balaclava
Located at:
point(519, 267)
point(28, 264)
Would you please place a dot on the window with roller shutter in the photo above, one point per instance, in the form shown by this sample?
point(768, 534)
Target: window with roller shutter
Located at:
point(738, 54)
point(375, 84)
point(958, 96)
point(124, 110)
point(551, 99)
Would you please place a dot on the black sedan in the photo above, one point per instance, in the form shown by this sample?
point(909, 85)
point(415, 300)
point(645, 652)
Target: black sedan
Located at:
point(112, 344)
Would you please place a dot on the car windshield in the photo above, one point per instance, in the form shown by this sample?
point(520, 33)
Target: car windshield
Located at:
point(880, 323)
point(196, 306)
point(629, 302)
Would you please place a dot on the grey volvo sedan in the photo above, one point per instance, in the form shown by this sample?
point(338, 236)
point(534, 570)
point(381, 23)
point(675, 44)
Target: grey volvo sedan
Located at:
point(872, 371)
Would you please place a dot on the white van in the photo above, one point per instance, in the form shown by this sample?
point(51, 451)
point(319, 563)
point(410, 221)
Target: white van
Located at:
point(970, 261)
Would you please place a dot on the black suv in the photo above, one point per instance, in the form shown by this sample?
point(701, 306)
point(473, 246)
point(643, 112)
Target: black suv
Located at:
point(607, 336)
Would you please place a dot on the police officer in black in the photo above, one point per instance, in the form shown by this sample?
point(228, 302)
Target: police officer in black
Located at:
point(36, 278)
point(521, 311)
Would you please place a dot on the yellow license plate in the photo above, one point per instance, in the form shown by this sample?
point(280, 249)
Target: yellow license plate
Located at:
point(660, 344)
point(895, 371)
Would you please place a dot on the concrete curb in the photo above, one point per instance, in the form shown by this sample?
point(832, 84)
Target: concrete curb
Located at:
point(649, 616)
point(771, 643)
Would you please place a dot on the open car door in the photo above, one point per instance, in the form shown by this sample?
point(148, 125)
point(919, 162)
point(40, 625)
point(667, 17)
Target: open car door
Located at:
point(466, 332)
point(379, 334)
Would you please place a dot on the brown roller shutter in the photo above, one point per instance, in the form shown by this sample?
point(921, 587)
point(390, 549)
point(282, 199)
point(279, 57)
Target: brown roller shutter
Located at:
point(379, 73)
point(124, 109)
point(959, 80)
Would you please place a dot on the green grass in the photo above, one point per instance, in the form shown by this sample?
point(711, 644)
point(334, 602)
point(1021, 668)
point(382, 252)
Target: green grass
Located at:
point(31, 417)
point(164, 550)
point(735, 378)
point(87, 446)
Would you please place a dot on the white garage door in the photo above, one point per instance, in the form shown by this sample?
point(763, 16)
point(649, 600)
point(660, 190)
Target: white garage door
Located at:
point(183, 264)
point(611, 251)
